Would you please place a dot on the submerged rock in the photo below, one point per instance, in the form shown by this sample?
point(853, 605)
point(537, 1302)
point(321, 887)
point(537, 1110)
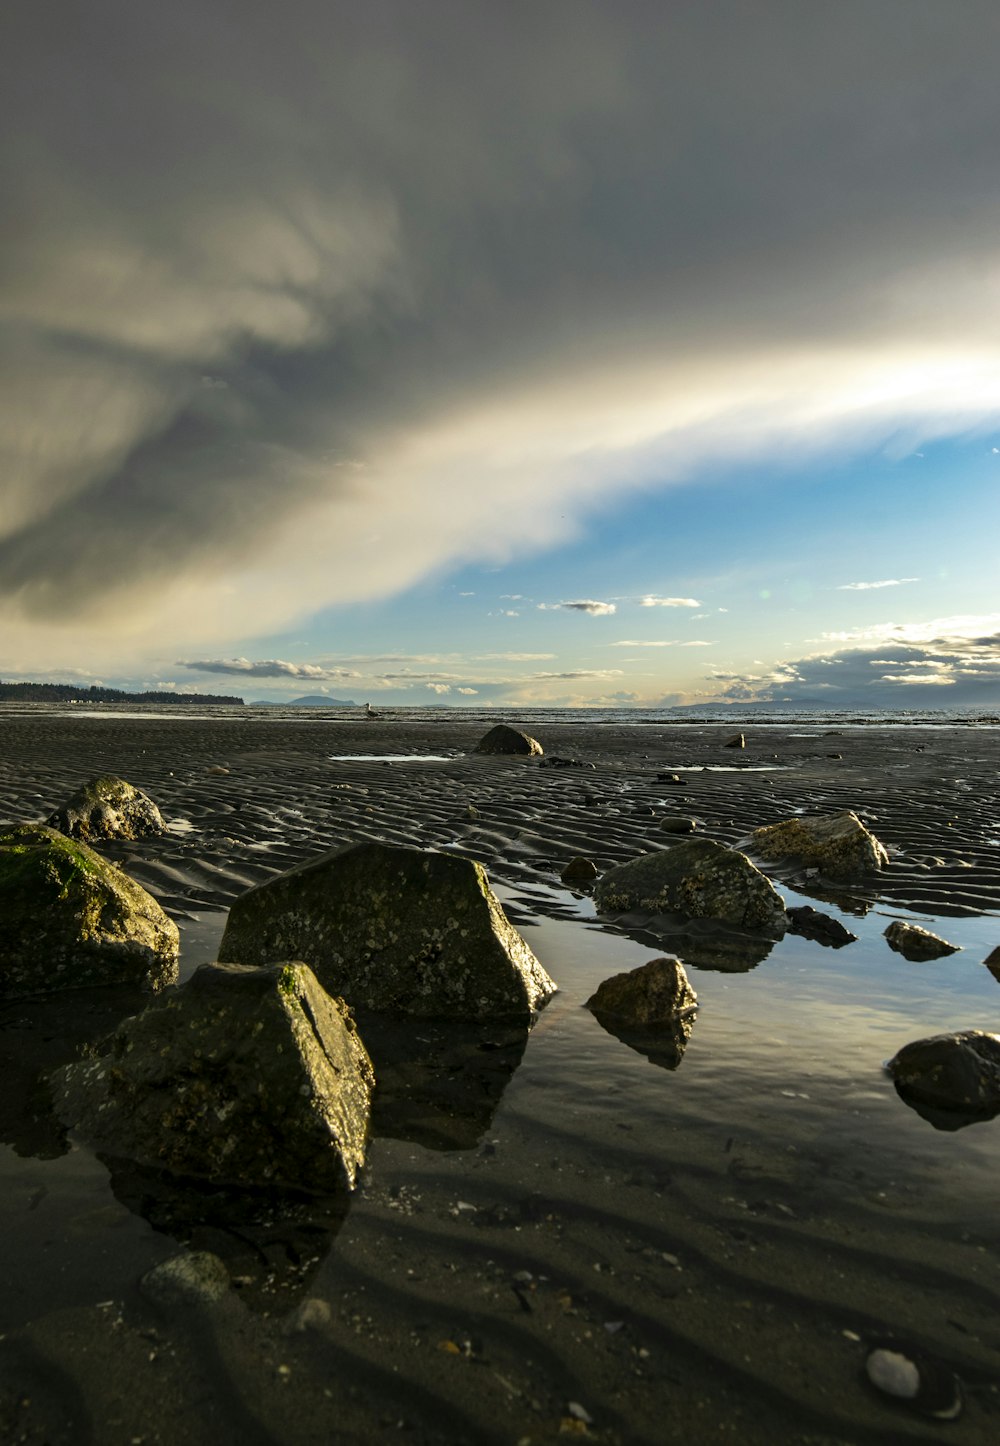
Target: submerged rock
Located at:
point(195, 1278)
point(957, 1073)
point(108, 807)
point(699, 879)
point(677, 823)
point(579, 871)
point(838, 845)
point(824, 929)
point(504, 739)
point(917, 944)
point(656, 993)
point(70, 920)
point(393, 929)
point(252, 1076)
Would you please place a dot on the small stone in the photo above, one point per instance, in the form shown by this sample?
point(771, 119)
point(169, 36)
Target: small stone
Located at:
point(579, 1413)
point(992, 962)
point(915, 1380)
point(579, 871)
point(310, 1315)
point(676, 823)
point(737, 742)
point(195, 1278)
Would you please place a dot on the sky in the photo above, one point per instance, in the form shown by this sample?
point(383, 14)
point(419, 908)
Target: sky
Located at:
point(534, 352)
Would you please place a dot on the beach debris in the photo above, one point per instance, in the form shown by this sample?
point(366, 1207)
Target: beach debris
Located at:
point(195, 1278)
point(917, 944)
point(822, 928)
point(655, 993)
point(249, 1076)
point(71, 920)
point(676, 823)
point(504, 739)
point(108, 807)
point(948, 1073)
point(737, 742)
point(837, 844)
point(579, 871)
point(992, 962)
point(698, 879)
point(393, 929)
point(915, 1380)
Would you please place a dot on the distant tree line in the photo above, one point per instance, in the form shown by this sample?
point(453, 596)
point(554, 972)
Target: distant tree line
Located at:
point(69, 693)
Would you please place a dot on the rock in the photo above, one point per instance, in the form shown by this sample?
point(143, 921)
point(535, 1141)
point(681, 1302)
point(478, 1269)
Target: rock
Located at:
point(503, 739)
point(579, 871)
point(195, 1278)
point(699, 879)
point(70, 920)
point(393, 929)
point(674, 778)
point(917, 944)
point(992, 962)
point(676, 823)
point(915, 1379)
point(313, 1314)
point(838, 845)
point(553, 761)
point(250, 1076)
point(656, 993)
point(108, 807)
point(947, 1072)
point(811, 924)
point(738, 742)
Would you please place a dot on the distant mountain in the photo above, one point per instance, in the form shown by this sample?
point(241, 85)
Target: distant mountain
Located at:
point(311, 700)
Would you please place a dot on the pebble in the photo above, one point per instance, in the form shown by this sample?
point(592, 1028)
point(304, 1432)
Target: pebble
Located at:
point(908, 1376)
point(310, 1315)
point(196, 1278)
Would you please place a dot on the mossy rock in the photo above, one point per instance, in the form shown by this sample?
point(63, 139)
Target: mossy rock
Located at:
point(71, 920)
point(959, 1072)
point(108, 807)
point(504, 739)
point(393, 929)
point(249, 1076)
point(838, 845)
point(698, 879)
point(656, 993)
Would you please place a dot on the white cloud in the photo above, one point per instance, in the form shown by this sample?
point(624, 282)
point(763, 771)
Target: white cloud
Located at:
point(868, 586)
point(467, 692)
point(649, 601)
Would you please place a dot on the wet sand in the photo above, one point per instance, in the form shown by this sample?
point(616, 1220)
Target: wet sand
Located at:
point(684, 1255)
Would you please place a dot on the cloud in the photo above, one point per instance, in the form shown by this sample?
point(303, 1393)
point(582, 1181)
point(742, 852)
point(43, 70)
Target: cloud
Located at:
point(295, 333)
point(270, 668)
point(669, 602)
point(868, 586)
point(588, 605)
point(468, 692)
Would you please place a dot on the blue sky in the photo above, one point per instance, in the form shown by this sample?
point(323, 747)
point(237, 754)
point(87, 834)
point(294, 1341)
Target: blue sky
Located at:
point(529, 354)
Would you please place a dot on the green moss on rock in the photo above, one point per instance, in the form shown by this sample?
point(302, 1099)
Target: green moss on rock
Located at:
point(393, 929)
point(250, 1076)
point(108, 807)
point(70, 920)
point(699, 879)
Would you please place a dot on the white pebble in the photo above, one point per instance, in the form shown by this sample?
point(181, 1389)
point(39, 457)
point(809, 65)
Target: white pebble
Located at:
point(893, 1373)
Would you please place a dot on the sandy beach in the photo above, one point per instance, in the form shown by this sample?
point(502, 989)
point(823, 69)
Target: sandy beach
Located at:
point(553, 1236)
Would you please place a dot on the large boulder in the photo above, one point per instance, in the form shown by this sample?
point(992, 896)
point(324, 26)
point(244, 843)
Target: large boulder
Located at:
point(699, 879)
point(108, 807)
point(70, 920)
point(957, 1073)
point(917, 944)
point(393, 929)
point(838, 845)
point(250, 1076)
point(504, 739)
point(654, 994)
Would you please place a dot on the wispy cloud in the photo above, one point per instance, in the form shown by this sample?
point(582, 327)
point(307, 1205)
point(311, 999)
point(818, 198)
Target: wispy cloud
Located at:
point(649, 601)
point(268, 668)
point(870, 586)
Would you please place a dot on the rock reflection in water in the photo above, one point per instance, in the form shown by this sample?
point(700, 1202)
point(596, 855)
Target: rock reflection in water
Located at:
point(438, 1083)
point(37, 1037)
point(272, 1241)
point(946, 1119)
point(663, 1045)
point(701, 943)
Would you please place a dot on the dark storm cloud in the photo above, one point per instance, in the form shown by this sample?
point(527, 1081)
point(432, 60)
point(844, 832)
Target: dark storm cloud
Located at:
point(251, 245)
